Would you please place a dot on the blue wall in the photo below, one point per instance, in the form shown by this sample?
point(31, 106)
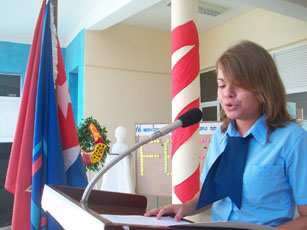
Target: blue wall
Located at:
point(14, 58)
point(74, 67)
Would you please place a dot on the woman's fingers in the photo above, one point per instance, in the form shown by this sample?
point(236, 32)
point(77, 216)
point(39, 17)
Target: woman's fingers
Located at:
point(169, 209)
point(163, 211)
point(152, 212)
point(179, 215)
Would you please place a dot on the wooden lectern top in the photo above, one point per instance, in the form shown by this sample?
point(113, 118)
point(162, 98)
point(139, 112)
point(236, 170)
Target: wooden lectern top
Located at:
point(63, 203)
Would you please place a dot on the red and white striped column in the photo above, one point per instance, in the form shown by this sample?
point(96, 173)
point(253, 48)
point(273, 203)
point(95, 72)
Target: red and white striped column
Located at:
point(185, 96)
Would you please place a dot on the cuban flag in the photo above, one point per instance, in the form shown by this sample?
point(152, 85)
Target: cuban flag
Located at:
point(45, 148)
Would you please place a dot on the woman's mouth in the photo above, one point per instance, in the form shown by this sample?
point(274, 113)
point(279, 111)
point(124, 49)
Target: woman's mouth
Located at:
point(230, 106)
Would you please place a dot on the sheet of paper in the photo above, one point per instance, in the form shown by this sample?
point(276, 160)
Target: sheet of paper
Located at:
point(169, 221)
point(230, 225)
point(143, 220)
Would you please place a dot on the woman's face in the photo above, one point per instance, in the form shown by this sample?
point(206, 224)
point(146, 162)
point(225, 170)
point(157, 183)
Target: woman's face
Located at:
point(238, 103)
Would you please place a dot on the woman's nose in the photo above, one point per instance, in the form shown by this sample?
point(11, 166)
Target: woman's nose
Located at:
point(229, 91)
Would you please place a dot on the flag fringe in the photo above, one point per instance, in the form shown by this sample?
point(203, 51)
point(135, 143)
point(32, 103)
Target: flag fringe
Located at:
point(54, 44)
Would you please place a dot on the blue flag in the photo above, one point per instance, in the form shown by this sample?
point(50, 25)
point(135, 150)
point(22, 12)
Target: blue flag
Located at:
point(47, 162)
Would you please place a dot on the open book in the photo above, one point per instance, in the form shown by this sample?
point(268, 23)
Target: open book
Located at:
point(170, 222)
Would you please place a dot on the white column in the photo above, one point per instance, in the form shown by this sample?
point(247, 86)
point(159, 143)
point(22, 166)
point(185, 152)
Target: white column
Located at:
point(185, 160)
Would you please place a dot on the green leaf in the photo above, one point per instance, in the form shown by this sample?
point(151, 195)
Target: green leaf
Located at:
point(87, 143)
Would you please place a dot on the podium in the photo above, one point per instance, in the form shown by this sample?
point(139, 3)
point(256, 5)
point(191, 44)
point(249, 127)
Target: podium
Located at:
point(63, 203)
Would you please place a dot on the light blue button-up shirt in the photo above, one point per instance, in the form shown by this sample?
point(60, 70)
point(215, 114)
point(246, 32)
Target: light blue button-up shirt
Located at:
point(275, 176)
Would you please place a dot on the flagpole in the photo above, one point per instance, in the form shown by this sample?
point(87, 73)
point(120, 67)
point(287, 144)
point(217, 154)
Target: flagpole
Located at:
point(55, 12)
point(54, 38)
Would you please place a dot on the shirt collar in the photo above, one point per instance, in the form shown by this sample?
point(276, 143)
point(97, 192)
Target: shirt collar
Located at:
point(258, 130)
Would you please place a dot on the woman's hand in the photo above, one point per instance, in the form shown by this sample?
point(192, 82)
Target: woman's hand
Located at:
point(178, 209)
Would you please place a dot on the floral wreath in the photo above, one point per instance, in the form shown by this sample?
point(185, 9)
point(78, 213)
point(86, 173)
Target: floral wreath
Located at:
point(94, 143)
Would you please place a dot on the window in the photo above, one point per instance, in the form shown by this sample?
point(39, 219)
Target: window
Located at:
point(208, 96)
point(292, 66)
point(9, 85)
point(297, 105)
point(9, 105)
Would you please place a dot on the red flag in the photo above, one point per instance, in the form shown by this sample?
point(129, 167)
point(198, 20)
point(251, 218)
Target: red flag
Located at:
point(69, 135)
point(74, 167)
point(19, 173)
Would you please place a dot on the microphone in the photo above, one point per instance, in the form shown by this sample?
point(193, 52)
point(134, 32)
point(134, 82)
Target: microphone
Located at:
point(189, 118)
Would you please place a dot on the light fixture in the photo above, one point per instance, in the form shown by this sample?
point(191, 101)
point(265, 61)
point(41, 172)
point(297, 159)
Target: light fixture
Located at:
point(206, 8)
point(210, 9)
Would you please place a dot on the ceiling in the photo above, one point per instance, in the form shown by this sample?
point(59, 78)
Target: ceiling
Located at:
point(18, 18)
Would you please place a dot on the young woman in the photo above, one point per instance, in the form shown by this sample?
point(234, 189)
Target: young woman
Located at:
point(253, 102)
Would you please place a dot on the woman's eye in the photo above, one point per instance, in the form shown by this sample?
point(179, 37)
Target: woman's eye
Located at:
point(221, 86)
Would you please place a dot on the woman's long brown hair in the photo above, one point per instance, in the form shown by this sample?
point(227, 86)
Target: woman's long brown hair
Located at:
point(250, 66)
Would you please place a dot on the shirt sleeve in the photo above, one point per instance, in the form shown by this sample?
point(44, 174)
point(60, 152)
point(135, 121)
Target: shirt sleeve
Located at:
point(296, 169)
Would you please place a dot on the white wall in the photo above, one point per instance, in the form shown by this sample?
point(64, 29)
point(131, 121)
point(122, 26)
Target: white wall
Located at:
point(127, 77)
point(271, 30)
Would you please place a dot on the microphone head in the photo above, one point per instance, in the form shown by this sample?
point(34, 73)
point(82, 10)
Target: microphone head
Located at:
point(190, 117)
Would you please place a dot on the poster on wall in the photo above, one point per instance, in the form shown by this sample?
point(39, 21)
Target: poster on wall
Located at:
point(153, 160)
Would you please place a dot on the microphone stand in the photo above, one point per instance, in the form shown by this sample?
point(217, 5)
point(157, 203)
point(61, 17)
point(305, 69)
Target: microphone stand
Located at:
point(155, 135)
